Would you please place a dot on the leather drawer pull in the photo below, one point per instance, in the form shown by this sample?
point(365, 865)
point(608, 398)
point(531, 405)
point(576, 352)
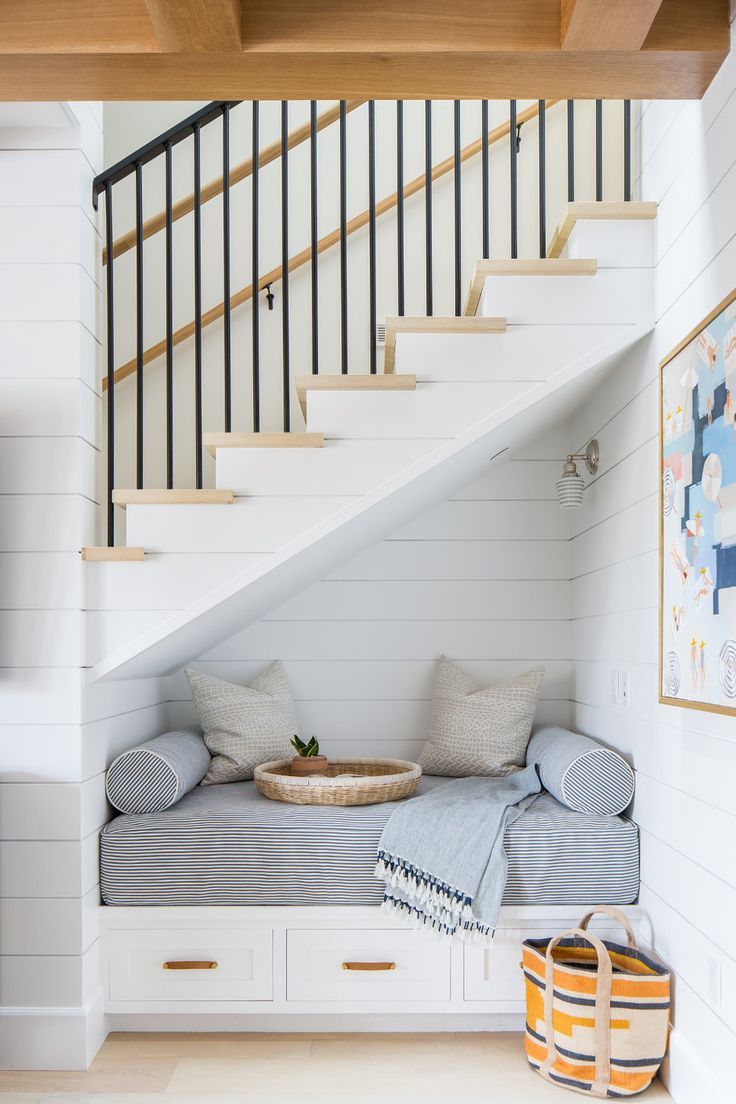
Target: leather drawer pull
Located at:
point(372, 966)
point(189, 966)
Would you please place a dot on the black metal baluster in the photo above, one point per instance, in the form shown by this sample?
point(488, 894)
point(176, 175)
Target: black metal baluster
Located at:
point(458, 208)
point(514, 172)
point(110, 299)
point(227, 329)
point(542, 181)
point(343, 237)
point(599, 150)
point(627, 150)
point(285, 346)
point(485, 179)
point(570, 150)
point(372, 232)
point(314, 229)
point(400, 269)
point(256, 297)
point(169, 319)
point(428, 203)
point(198, 306)
point(139, 325)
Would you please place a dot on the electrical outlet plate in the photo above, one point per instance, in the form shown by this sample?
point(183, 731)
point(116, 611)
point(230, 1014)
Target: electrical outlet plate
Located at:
point(614, 687)
point(626, 688)
point(714, 980)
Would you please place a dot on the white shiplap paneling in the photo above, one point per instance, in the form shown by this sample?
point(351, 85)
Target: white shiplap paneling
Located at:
point(56, 735)
point(685, 761)
point(483, 578)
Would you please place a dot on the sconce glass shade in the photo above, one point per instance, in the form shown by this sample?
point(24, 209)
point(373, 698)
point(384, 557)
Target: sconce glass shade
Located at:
point(570, 488)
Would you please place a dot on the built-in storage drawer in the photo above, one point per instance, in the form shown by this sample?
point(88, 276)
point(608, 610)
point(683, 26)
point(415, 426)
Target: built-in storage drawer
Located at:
point(492, 973)
point(366, 965)
point(191, 965)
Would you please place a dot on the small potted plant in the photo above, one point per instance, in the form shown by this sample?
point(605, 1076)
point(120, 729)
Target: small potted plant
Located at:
point(307, 759)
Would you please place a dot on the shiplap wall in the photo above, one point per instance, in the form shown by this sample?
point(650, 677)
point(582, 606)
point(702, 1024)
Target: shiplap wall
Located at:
point(685, 760)
point(56, 736)
point(483, 577)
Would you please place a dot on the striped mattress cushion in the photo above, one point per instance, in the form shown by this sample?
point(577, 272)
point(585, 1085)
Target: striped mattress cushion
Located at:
point(153, 776)
point(230, 845)
point(580, 772)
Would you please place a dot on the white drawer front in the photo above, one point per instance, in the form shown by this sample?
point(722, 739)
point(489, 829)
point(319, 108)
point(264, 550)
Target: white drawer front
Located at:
point(492, 973)
point(243, 971)
point(326, 966)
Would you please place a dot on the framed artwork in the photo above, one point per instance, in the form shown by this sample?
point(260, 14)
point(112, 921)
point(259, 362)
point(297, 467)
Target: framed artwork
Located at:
point(697, 517)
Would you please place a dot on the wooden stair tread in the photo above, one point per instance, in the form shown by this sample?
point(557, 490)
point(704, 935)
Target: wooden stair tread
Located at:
point(108, 554)
point(433, 325)
point(346, 382)
point(152, 497)
point(213, 441)
point(629, 209)
point(543, 266)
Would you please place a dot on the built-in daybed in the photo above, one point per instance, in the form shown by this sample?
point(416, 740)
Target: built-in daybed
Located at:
point(283, 900)
point(219, 902)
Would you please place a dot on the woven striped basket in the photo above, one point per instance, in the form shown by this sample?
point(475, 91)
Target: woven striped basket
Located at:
point(344, 782)
point(597, 1012)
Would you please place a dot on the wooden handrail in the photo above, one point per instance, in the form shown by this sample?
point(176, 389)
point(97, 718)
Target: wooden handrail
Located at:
point(329, 240)
point(239, 172)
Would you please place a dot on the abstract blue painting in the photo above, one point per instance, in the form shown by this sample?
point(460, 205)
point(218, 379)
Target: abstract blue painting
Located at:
point(698, 517)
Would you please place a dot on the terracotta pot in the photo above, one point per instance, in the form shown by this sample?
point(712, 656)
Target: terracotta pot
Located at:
point(314, 764)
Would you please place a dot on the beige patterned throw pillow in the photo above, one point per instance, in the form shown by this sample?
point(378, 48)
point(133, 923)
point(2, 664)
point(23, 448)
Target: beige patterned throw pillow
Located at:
point(244, 725)
point(479, 731)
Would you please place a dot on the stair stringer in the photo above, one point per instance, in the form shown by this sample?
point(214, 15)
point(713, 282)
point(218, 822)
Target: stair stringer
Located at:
point(321, 549)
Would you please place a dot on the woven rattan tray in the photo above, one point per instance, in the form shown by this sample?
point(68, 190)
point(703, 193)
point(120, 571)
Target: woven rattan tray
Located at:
point(345, 782)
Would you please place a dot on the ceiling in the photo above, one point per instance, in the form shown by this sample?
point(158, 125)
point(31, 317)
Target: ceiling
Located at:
point(328, 49)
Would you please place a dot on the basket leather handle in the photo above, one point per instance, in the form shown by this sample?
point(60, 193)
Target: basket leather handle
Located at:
point(602, 1031)
point(615, 914)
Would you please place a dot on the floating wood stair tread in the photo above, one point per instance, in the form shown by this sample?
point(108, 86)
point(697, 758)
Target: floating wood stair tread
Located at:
point(105, 554)
point(152, 497)
point(546, 266)
point(617, 210)
point(305, 384)
point(435, 325)
point(213, 441)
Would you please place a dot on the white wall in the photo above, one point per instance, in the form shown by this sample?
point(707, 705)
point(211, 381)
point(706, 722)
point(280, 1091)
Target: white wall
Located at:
point(685, 760)
point(484, 578)
point(56, 736)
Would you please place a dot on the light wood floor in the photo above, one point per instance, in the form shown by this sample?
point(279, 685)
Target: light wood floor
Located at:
point(298, 1069)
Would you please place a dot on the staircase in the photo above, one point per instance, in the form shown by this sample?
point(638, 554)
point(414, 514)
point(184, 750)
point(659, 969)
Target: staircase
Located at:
point(378, 449)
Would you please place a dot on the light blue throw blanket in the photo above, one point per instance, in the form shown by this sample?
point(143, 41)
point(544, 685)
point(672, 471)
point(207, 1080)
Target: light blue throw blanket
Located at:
point(442, 858)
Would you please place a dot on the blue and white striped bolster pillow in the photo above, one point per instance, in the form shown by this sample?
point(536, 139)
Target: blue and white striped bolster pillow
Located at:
point(580, 772)
point(154, 775)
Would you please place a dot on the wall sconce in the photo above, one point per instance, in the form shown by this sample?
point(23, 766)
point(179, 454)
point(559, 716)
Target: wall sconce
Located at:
point(570, 485)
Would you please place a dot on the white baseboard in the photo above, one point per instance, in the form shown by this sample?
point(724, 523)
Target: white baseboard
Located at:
point(688, 1079)
point(51, 1038)
point(310, 1023)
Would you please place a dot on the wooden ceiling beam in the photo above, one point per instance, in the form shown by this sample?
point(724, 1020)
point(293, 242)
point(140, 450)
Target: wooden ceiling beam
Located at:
point(603, 25)
point(655, 74)
point(310, 26)
point(372, 26)
point(197, 26)
point(76, 27)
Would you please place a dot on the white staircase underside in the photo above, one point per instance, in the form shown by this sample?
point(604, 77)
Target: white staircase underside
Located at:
point(300, 513)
